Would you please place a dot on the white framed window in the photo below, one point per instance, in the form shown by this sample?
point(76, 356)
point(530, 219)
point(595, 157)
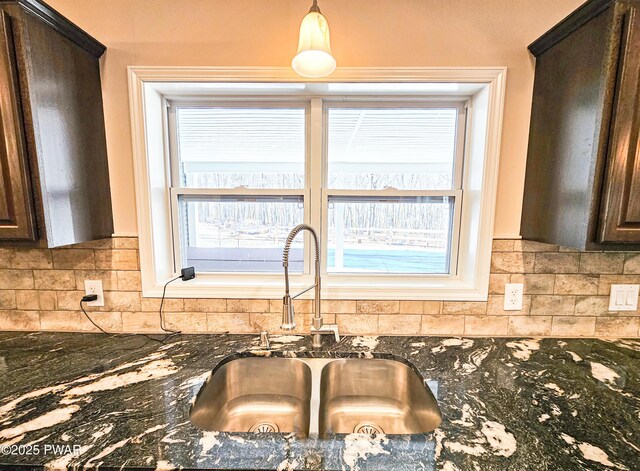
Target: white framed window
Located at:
point(392, 190)
point(238, 183)
point(397, 174)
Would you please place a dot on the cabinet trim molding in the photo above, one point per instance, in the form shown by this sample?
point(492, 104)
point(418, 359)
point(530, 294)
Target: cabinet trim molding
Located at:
point(568, 25)
point(58, 22)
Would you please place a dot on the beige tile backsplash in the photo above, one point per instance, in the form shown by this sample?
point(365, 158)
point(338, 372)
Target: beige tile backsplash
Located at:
point(565, 294)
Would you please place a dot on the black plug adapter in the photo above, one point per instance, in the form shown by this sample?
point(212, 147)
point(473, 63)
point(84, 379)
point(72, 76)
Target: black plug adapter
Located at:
point(89, 297)
point(188, 273)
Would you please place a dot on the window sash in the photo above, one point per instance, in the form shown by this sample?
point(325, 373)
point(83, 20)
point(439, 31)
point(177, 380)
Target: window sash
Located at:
point(457, 177)
point(204, 193)
point(173, 106)
point(389, 193)
point(395, 103)
point(324, 233)
point(179, 189)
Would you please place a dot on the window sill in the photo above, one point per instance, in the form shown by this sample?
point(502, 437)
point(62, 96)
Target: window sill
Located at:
point(436, 288)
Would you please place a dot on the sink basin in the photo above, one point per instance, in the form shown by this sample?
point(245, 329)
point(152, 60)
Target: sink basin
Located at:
point(375, 396)
point(255, 395)
point(315, 395)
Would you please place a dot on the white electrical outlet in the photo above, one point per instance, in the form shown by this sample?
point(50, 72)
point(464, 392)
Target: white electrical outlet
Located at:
point(624, 297)
point(513, 296)
point(94, 287)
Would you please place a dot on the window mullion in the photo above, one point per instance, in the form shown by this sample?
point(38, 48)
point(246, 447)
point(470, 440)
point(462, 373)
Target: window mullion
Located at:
point(315, 177)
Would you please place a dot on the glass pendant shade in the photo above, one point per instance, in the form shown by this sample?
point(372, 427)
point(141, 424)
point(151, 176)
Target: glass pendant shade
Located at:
point(314, 57)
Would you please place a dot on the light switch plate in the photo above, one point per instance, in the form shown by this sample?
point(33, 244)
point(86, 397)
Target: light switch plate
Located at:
point(624, 297)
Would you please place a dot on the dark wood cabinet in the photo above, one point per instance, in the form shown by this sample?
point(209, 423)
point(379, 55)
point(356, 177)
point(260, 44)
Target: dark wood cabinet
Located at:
point(54, 180)
point(17, 219)
point(582, 186)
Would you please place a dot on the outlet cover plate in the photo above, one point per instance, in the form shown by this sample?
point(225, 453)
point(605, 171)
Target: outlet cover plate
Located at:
point(513, 296)
point(94, 287)
point(624, 297)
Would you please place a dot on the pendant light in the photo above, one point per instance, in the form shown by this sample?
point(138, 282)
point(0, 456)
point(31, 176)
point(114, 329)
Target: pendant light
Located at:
point(314, 57)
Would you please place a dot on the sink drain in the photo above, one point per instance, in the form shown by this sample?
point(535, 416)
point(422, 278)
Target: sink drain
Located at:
point(265, 427)
point(368, 428)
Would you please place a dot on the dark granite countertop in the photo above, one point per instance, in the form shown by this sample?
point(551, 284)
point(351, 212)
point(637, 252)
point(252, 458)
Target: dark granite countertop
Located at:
point(87, 400)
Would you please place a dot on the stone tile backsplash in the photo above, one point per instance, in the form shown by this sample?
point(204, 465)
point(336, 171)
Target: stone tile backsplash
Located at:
point(566, 294)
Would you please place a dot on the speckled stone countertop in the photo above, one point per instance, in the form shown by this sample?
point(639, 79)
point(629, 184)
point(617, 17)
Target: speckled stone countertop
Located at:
point(87, 400)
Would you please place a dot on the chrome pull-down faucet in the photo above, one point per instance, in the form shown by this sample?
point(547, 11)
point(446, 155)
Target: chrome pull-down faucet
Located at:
point(288, 315)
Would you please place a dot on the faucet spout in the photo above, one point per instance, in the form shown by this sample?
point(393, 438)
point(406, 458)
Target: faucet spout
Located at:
point(318, 328)
point(288, 314)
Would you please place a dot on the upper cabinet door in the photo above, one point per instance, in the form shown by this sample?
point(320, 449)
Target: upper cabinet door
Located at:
point(620, 209)
point(16, 206)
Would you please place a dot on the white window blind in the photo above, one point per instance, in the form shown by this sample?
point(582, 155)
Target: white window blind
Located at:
point(227, 147)
point(404, 148)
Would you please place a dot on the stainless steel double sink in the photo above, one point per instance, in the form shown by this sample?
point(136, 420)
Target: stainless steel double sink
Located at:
point(315, 395)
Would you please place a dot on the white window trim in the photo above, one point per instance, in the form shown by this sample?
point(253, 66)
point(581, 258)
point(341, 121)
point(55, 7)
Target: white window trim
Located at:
point(147, 86)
